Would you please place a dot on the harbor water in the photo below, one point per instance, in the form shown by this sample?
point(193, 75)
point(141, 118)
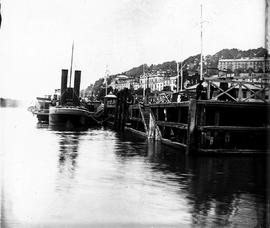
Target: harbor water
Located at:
point(100, 178)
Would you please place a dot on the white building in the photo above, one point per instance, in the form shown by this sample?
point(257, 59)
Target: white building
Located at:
point(171, 82)
point(155, 81)
point(245, 63)
point(122, 82)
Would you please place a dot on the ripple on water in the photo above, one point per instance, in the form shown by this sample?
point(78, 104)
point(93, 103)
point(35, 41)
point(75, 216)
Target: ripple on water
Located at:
point(97, 176)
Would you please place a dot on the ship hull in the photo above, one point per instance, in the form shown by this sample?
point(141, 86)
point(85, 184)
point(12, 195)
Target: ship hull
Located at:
point(43, 117)
point(70, 117)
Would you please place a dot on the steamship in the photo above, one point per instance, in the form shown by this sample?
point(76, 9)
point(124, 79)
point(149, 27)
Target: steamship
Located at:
point(70, 112)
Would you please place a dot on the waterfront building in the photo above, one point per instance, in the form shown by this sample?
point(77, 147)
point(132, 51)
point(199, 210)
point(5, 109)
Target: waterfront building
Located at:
point(152, 80)
point(156, 81)
point(136, 84)
point(113, 83)
point(121, 82)
point(257, 64)
point(170, 82)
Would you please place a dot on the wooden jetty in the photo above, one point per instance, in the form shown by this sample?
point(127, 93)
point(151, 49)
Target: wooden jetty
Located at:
point(139, 117)
point(210, 126)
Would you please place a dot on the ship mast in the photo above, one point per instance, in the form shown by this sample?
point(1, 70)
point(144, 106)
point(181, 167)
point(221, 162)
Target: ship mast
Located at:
point(106, 82)
point(201, 68)
point(144, 86)
point(70, 73)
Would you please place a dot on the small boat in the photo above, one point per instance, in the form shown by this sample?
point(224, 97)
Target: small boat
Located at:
point(41, 109)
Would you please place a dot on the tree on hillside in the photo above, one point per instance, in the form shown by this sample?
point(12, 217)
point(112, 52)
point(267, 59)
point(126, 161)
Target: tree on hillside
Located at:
point(192, 65)
point(98, 84)
point(167, 88)
point(139, 91)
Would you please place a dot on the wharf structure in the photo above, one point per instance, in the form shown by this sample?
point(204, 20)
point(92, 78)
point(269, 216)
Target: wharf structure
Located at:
point(224, 123)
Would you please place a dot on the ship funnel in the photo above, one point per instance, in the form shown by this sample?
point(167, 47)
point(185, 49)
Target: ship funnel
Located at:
point(63, 85)
point(77, 82)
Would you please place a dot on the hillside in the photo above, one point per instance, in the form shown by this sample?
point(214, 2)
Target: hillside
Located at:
point(192, 62)
point(192, 65)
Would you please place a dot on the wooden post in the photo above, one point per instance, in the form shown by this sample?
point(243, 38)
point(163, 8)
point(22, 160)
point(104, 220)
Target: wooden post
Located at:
point(157, 113)
point(240, 92)
point(191, 131)
point(143, 119)
point(125, 108)
point(208, 90)
point(117, 107)
point(153, 132)
point(122, 110)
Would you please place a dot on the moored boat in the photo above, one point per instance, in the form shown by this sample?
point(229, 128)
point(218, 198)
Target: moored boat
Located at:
point(71, 112)
point(41, 109)
point(70, 116)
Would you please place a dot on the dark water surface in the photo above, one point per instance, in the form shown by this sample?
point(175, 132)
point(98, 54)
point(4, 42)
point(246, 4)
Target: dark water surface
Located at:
point(100, 178)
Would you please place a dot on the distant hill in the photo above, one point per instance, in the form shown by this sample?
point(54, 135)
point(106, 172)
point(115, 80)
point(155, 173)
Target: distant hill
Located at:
point(192, 65)
point(211, 61)
point(6, 102)
point(193, 62)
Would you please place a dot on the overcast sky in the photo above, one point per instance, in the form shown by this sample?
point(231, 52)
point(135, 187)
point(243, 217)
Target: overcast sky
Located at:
point(36, 36)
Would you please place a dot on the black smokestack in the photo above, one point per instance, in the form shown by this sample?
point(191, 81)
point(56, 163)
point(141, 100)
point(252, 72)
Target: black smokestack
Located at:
point(77, 82)
point(63, 85)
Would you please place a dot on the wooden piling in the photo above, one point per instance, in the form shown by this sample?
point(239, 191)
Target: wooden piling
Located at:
point(153, 132)
point(121, 110)
point(191, 131)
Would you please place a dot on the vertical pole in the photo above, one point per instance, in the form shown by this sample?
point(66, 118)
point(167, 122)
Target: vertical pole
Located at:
point(201, 69)
point(240, 92)
point(144, 83)
point(177, 76)
point(267, 26)
point(70, 73)
point(191, 130)
point(181, 84)
point(106, 83)
point(147, 86)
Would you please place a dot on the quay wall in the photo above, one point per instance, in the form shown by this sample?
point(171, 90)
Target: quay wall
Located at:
point(199, 126)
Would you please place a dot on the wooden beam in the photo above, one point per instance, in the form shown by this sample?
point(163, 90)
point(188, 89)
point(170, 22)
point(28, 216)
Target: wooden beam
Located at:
point(234, 128)
point(172, 124)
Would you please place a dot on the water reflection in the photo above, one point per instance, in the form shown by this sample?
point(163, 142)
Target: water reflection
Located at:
point(220, 192)
point(68, 154)
point(97, 177)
